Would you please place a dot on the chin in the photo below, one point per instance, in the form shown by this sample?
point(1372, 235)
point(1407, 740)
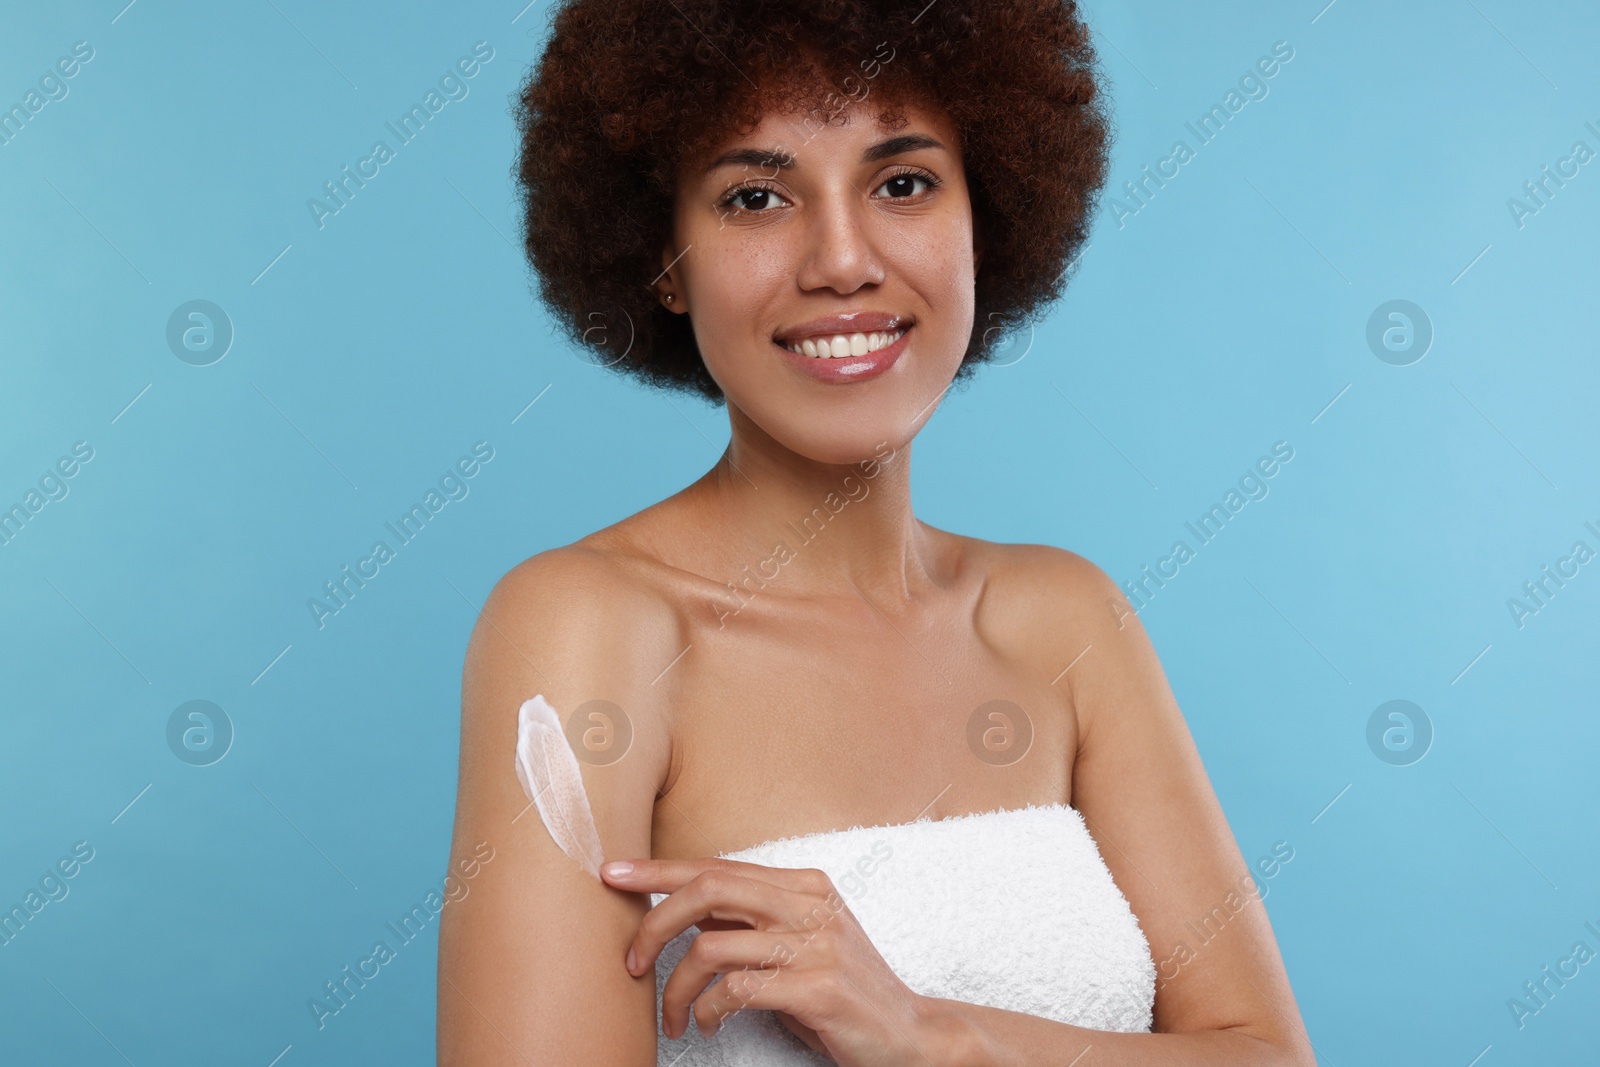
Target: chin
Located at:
point(839, 437)
point(843, 424)
point(856, 449)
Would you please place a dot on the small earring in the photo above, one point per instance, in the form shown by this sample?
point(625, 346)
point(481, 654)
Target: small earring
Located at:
point(670, 298)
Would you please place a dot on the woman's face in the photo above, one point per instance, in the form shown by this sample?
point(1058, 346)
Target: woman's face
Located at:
point(799, 233)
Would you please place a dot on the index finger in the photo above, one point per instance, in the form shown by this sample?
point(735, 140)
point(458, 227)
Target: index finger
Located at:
point(717, 897)
point(668, 876)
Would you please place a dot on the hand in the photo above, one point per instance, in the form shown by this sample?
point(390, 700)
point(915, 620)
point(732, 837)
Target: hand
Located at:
point(787, 943)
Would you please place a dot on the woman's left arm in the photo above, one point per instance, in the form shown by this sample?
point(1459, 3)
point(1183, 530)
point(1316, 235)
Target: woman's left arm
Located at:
point(1139, 783)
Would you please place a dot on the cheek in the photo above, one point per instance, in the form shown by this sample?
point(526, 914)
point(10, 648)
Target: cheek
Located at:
point(731, 290)
point(939, 268)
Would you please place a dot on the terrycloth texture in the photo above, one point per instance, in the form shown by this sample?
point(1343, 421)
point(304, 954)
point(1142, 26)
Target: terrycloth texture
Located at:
point(1012, 909)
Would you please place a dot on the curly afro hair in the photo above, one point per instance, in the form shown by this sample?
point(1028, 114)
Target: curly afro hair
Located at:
point(627, 91)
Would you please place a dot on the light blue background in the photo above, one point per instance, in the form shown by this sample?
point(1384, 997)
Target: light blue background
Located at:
point(1228, 314)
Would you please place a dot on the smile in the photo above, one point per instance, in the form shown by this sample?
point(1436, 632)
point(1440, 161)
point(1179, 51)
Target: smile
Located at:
point(844, 358)
point(841, 345)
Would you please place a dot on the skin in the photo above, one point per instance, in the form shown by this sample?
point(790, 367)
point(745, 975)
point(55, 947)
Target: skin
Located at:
point(737, 737)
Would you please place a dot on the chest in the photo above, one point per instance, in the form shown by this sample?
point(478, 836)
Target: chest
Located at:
point(786, 724)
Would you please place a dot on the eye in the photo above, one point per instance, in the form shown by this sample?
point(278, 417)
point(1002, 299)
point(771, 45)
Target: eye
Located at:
point(903, 183)
point(758, 193)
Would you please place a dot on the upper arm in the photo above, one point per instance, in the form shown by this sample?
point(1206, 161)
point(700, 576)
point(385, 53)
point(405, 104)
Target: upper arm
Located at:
point(531, 956)
point(1143, 791)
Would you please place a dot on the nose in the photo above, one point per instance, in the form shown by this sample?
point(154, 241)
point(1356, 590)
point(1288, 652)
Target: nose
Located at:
point(840, 252)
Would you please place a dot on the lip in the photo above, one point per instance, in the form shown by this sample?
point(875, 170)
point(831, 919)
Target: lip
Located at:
point(847, 323)
point(845, 370)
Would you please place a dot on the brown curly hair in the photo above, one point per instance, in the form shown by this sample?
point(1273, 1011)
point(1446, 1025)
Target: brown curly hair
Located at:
point(627, 91)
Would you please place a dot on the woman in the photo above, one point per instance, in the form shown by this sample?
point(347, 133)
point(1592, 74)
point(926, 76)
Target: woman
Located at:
point(915, 797)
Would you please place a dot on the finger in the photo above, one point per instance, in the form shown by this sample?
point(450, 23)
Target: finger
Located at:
point(726, 952)
point(780, 989)
point(721, 895)
point(668, 876)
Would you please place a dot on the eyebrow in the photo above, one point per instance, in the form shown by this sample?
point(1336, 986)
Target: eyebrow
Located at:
point(783, 159)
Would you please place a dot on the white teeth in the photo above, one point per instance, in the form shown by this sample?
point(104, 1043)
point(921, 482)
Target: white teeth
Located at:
point(839, 345)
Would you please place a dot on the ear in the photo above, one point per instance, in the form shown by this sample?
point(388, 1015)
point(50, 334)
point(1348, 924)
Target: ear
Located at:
point(667, 282)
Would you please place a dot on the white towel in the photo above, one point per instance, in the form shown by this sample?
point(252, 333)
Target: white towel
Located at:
point(1012, 909)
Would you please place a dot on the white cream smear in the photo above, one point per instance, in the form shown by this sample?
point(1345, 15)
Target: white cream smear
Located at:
point(550, 775)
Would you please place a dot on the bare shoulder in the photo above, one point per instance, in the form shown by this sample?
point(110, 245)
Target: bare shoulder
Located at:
point(577, 601)
point(581, 575)
point(1035, 592)
point(1063, 615)
point(578, 625)
point(1048, 578)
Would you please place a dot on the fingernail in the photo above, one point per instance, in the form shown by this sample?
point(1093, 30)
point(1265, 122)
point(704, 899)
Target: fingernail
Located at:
point(617, 868)
point(633, 960)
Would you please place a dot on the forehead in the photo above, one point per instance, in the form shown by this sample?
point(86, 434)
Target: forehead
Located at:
point(794, 119)
point(867, 128)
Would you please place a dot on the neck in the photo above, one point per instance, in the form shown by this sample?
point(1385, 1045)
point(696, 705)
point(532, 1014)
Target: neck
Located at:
point(816, 529)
